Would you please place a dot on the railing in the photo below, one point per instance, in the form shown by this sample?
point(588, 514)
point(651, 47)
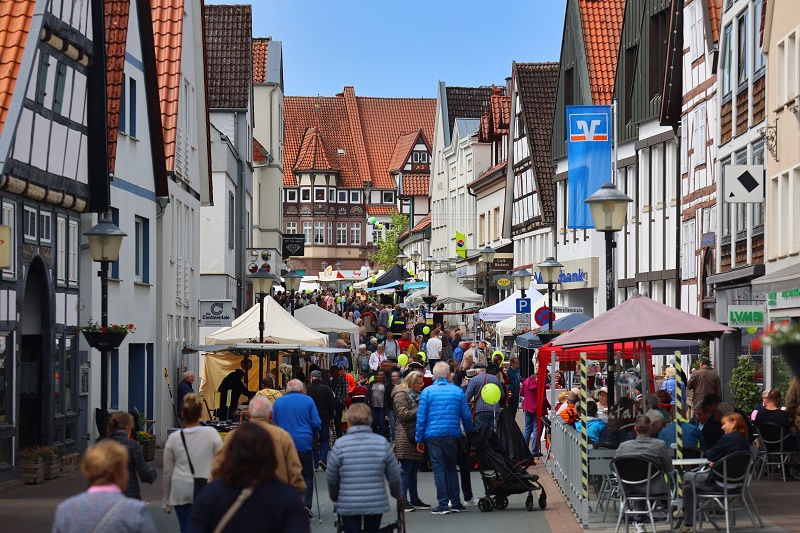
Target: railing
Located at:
point(565, 447)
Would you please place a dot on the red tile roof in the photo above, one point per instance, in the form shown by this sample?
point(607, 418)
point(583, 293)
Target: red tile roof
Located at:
point(416, 184)
point(381, 209)
point(168, 35)
point(259, 152)
point(486, 173)
point(312, 154)
point(501, 113)
point(116, 23)
point(422, 224)
point(402, 150)
point(367, 130)
point(715, 16)
point(601, 21)
point(260, 54)
point(15, 22)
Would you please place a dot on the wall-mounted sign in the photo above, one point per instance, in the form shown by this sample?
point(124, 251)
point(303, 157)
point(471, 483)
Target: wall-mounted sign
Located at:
point(746, 316)
point(216, 313)
point(503, 263)
point(294, 245)
point(743, 184)
point(576, 274)
point(503, 282)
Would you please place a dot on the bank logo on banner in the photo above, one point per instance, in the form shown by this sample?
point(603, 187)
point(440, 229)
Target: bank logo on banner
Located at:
point(461, 244)
point(589, 159)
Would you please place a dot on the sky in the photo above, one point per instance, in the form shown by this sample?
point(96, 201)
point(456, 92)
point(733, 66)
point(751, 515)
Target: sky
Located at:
point(404, 48)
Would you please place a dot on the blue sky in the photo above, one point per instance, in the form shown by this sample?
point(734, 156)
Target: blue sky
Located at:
point(404, 48)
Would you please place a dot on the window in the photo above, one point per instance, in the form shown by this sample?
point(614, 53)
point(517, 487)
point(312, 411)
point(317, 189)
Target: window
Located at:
point(73, 249)
point(659, 28)
point(291, 228)
point(696, 30)
point(132, 108)
point(569, 86)
point(496, 223)
point(482, 228)
point(305, 194)
point(759, 59)
point(684, 147)
point(331, 194)
point(355, 233)
point(727, 60)
point(726, 211)
point(29, 223)
point(7, 219)
point(231, 220)
point(123, 108)
point(741, 46)
point(319, 233)
point(388, 197)
point(45, 227)
point(307, 232)
point(319, 194)
point(741, 209)
point(700, 139)
point(355, 197)
point(291, 195)
point(61, 249)
point(689, 250)
point(342, 197)
point(758, 208)
point(627, 97)
point(330, 233)
point(341, 233)
point(58, 94)
point(41, 78)
point(141, 242)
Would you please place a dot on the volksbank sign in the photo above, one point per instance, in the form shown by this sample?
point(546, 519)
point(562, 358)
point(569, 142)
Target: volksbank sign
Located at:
point(565, 277)
point(746, 316)
point(576, 274)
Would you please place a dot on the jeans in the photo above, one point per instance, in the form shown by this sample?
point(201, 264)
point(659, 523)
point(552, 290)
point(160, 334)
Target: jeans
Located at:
point(444, 459)
point(688, 492)
point(307, 462)
point(378, 424)
point(324, 445)
point(392, 422)
point(352, 524)
point(485, 425)
point(183, 512)
point(531, 430)
point(464, 467)
point(337, 419)
point(408, 476)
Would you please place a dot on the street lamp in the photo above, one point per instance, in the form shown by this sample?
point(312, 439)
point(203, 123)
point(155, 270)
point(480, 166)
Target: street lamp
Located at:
point(609, 209)
point(551, 270)
point(522, 280)
point(430, 264)
point(324, 265)
point(487, 256)
point(105, 240)
point(415, 257)
point(262, 286)
point(292, 280)
point(401, 259)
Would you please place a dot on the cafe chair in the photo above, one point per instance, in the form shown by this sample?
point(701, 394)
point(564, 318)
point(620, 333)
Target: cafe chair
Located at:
point(733, 471)
point(778, 448)
point(600, 456)
point(754, 466)
point(637, 478)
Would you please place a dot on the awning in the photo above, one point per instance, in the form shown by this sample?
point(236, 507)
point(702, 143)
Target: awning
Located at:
point(382, 287)
point(285, 348)
point(416, 285)
point(191, 348)
point(736, 275)
point(785, 279)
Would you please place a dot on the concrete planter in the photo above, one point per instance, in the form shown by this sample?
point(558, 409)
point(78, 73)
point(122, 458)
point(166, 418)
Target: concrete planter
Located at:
point(52, 467)
point(148, 449)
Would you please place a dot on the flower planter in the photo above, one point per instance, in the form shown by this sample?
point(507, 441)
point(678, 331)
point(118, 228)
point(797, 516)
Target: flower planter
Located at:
point(104, 341)
point(31, 472)
point(547, 337)
point(52, 467)
point(148, 449)
point(429, 299)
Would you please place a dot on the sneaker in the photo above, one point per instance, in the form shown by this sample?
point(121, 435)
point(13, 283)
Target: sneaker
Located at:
point(639, 527)
point(419, 504)
point(322, 465)
point(408, 508)
point(678, 514)
point(458, 509)
point(440, 510)
point(685, 528)
point(471, 502)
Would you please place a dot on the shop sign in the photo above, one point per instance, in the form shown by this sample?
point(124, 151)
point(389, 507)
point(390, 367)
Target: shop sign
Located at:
point(216, 313)
point(583, 273)
point(746, 316)
point(503, 282)
point(503, 263)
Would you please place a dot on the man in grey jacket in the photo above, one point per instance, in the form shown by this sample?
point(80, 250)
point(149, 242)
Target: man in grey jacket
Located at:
point(358, 487)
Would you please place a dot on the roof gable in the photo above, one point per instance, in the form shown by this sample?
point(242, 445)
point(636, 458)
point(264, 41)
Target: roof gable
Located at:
point(601, 21)
point(116, 23)
point(228, 50)
point(168, 40)
point(15, 23)
point(312, 154)
point(404, 147)
point(465, 102)
point(260, 53)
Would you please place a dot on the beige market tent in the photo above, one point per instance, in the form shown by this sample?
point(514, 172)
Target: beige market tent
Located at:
point(279, 326)
point(318, 319)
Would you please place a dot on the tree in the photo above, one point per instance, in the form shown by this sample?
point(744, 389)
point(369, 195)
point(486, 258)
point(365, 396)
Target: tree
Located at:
point(388, 249)
point(746, 392)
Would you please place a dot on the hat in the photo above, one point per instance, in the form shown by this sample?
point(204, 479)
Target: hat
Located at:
point(471, 372)
point(415, 364)
point(602, 389)
point(479, 365)
point(316, 374)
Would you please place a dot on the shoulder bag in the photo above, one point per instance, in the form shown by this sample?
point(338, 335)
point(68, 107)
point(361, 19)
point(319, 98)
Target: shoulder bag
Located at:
point(199, 482)
point(246, 492)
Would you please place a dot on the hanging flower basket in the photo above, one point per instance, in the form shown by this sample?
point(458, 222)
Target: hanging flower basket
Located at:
point(104, 340)
point(785, 337)
point(430, 299)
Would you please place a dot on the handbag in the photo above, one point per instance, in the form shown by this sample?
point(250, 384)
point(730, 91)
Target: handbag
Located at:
point(199, 482)
point(246, 492)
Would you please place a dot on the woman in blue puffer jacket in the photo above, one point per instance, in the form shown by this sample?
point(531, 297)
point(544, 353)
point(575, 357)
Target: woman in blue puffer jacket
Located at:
point(357, 486)
point(670, 383)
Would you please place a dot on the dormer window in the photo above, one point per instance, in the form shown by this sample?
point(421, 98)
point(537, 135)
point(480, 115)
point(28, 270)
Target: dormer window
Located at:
point(319, 194)
point(305, 194)
point(388, 197)
point(291, 195)
point(342, 197)
point(340, 151)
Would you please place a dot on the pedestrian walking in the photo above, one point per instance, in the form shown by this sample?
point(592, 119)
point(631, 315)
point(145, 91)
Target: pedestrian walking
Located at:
point(185, 387)
point(187, 457)
point(119, 430)
point(442, 413)
point(339, 385)
point(379, 398)
point(486, 414)
point(704, 381)
point(405, 399)
point(530, 408)
point(325, 402)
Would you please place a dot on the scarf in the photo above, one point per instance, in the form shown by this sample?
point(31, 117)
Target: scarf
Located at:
point(414, 395)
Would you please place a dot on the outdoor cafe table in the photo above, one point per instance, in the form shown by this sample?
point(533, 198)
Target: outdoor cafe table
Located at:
point(689, 462)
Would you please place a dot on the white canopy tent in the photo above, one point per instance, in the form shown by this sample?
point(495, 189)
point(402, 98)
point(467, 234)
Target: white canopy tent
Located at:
point(508, 307)
point(506, 326)
point(319, 319)
point(451, 291)
point(280, 327)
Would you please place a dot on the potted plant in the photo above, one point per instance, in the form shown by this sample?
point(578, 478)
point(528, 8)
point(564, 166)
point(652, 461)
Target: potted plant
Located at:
point(31, 466)
point(786, 338)
point(148, 444)
point(51, 458)
point(105, 338)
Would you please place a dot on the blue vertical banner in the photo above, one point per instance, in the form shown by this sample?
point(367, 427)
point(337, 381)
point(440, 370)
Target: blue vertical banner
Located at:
point(589, 158)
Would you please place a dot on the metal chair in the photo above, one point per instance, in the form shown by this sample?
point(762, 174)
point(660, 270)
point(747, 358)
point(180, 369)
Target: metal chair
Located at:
point(637, 477)
point(600, 457)
point(746, 493)
point(732, 471)
point(776, 447)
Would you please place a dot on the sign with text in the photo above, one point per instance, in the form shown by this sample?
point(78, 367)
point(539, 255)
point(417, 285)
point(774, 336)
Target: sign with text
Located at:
point(746, 316)
point(557, 309)
point(503, 263)
point(294, 245)
point(523, 321)
point(523, 305)
point(216, 313)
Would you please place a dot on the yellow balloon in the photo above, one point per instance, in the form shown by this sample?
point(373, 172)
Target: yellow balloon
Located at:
point(423, 355)
point(752, 331)
point(426, 330)
point(402, 359)
point(491, 393)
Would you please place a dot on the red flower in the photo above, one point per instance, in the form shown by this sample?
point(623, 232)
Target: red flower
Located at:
point(103, 330)
point(78, 330)
point(130, 326)
point(755, 344)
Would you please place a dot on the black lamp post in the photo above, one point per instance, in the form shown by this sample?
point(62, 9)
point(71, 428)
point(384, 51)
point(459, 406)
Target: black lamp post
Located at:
point(487, 256)
point(522, 280)
point(105, 240)
point(609, 209)
point(415, 257)
point(292, 280)
point(262, 286)
point(550, 269)
point(430, 264)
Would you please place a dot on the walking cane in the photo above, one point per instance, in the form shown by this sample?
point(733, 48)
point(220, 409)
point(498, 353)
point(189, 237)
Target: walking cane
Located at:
point(172, 400)
point(316, 496)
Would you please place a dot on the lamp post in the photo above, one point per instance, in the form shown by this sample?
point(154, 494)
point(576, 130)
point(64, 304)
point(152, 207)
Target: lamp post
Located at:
point(487, 256)
point(522, 280)
point(292, 280)
point(105, 240)
point(550, 269)
point(402, 259)
point(430, 264)
point(262, 286)
point(415, 257)
point(609, 209)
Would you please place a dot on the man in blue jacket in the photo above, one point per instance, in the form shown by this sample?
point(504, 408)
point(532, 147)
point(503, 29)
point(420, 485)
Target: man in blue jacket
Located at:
point(297, 414)
point(442, 413)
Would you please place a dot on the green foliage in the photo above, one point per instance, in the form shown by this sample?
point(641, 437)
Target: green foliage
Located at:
point(745, 390)
point(388, 249)
point(781, 376)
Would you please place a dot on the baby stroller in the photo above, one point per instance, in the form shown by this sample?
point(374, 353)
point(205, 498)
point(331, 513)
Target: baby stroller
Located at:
point(502, 463)
point(398, 526)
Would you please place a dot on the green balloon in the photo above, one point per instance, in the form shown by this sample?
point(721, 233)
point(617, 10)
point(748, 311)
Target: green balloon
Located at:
point(426, 330)
point(338, 299)
point(491, 393)
point(402, 359)
point(423, 356)
point(752, 331)
point(373, 220)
